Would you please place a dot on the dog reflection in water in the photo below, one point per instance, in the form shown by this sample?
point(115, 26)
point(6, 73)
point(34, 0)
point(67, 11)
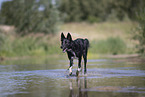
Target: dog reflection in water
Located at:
point(81, 90)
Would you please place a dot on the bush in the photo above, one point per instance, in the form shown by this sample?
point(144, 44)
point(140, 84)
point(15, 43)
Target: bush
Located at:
point(11, 45)
point(111, 45)
point(5, 45)
point(139, 34)
point(93, 19)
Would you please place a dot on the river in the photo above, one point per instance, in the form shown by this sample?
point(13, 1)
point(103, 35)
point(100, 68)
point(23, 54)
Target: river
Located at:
point(106, 77)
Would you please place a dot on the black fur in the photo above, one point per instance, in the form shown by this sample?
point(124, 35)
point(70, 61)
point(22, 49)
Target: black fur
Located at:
point(75, 49)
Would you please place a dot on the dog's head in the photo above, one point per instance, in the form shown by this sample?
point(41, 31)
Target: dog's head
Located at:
point(66, 42)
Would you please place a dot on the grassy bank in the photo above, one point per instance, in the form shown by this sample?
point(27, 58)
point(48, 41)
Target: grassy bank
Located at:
point(30, 45)
point(105, 38)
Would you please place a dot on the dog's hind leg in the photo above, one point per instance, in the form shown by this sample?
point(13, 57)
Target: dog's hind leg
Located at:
point(79, 66)
point(85, 60)
point(85, 51)
point(85, 63)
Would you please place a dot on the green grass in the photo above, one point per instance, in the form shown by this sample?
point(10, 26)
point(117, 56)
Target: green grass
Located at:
point(112, 45)
point(31, 45)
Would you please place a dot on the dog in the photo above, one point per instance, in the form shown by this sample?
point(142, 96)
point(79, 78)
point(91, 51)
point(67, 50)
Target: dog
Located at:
point(75, 49)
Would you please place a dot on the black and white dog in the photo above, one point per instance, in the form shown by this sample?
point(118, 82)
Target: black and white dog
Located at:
point(75, 49)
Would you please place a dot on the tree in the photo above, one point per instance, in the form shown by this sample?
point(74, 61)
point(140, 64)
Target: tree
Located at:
point(31, 15)
point(140, 31)
point(102, 10)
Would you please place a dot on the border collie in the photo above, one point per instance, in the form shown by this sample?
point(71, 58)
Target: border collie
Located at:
point(75, 49)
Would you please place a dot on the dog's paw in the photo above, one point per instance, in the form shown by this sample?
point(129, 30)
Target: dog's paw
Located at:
point(70, 73)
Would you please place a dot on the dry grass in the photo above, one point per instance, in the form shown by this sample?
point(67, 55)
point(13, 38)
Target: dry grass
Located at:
point(102, 31)
point(99, 31)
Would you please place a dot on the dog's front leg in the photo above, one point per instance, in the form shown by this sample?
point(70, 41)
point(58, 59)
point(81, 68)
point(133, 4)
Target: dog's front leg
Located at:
point(70, 68)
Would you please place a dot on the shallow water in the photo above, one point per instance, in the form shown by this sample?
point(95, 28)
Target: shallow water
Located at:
point(49, 78)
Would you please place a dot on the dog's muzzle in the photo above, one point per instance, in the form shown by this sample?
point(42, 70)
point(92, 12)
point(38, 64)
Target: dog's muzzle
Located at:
point(63, 49)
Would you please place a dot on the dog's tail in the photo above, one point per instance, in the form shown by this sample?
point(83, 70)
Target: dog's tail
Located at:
point(86, 43)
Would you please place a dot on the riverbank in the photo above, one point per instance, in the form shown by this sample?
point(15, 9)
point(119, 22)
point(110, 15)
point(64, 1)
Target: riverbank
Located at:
point(105, 38)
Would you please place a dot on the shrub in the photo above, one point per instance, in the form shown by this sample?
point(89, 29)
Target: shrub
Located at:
point(26, 46)
point(5, 45)
point(112, 45)
point(139, 34)
point(93, 19)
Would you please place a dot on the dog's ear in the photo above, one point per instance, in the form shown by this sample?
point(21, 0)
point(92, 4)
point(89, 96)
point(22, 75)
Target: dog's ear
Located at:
point(69, 37)
point(62, 36)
